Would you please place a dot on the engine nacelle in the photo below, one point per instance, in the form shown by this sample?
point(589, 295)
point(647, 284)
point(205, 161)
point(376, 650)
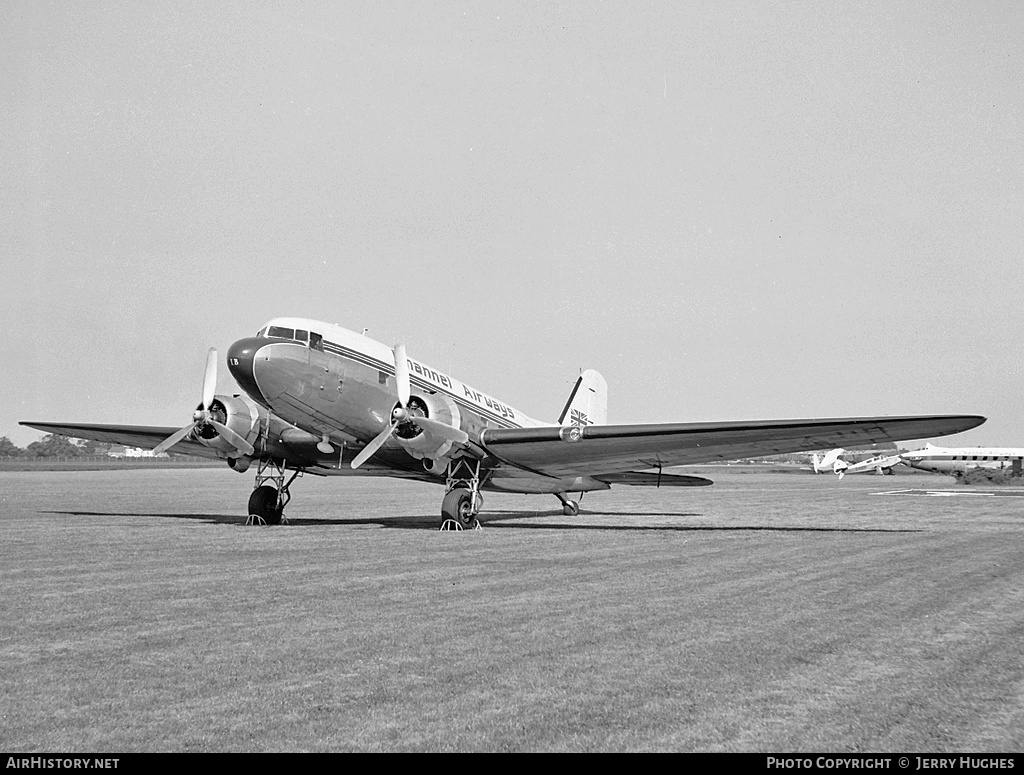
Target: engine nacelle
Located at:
point(239, 464)
point(240, 414)
point(420, 443)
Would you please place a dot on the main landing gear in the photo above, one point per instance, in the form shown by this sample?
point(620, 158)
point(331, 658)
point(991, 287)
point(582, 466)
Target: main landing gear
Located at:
point(462, 500)
point(569, 507)
point(267, 502)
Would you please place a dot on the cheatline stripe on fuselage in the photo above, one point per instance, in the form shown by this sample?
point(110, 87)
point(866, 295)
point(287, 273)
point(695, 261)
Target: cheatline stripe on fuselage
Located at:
point(366, 360)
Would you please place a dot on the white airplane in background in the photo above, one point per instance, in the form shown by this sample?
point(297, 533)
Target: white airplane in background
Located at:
point(882, 464)
point(959, 460)
point(828, 462)
point(320, 399)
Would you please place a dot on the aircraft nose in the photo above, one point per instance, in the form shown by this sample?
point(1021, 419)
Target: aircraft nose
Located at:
point(241, 360)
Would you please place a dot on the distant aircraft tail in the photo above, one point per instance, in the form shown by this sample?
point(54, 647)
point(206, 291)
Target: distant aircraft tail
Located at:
point(830, 462)
point(588, 401)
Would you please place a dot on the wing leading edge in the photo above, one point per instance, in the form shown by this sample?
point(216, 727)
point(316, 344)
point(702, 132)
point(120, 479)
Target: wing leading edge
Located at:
point(604, 449)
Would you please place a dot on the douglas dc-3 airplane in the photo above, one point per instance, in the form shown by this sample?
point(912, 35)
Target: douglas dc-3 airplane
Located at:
point(321, 399)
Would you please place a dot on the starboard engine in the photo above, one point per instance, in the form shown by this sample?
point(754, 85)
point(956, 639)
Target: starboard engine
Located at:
point(423, 440)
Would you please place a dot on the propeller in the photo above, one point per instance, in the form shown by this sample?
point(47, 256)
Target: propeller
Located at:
point(400, 415)
point(203, 416)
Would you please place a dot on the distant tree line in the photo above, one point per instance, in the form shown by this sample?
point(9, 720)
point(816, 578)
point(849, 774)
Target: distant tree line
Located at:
point(51, 445)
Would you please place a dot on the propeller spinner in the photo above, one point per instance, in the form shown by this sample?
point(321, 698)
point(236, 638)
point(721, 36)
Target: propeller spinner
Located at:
point(203, 416)
point(401, 414)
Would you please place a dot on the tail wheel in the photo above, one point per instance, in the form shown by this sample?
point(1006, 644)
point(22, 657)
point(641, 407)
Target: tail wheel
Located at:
point(263, 504)
point(458, 505)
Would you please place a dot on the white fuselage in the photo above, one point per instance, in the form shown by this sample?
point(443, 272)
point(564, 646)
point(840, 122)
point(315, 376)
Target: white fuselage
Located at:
point(953, 460)
point(341, 386)
point(371, 364)
point(882, 464)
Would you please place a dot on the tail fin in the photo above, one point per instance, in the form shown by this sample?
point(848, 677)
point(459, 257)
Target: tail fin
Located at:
point(828, 462)
point(588, 402)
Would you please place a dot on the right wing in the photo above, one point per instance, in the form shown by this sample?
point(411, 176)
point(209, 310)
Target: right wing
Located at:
point(390, 462)
point(145, 436)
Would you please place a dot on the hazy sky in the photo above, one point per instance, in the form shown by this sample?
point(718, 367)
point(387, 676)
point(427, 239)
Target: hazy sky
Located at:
point(733, 210)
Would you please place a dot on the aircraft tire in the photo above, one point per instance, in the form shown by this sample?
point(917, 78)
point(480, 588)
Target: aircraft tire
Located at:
point(571, 509)
point(457, 505)
point(263, 504)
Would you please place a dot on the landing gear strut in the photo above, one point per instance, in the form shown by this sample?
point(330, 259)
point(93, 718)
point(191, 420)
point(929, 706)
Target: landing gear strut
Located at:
point(267, 502)
point(462, 500)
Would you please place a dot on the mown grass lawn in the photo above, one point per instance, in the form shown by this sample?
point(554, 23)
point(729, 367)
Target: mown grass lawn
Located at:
point(136, 621)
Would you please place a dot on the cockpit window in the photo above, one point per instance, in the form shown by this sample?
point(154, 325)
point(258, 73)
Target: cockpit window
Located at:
point(316, 342)
point(277, 332)
point(301, 336)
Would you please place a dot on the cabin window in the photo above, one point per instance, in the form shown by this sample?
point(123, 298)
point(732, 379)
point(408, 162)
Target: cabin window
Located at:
point(316, 342)
point(301, 336)
point(281, 333)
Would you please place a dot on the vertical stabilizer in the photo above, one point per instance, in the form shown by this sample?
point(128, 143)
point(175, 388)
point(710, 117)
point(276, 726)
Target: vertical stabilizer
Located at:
point(588, 401)
point(829, 462)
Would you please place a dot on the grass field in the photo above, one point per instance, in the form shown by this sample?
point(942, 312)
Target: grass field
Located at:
point(767, 613)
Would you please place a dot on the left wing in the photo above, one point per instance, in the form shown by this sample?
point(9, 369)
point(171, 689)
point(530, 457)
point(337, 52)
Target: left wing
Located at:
point(602, 449)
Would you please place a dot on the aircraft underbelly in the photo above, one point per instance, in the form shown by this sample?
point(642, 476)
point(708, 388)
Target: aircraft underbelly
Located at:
point(607, 458)
point(511, 480)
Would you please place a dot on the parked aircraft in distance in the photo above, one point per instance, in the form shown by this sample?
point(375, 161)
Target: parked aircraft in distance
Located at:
point(882, 464)
point(320, 399)
point(946, 460)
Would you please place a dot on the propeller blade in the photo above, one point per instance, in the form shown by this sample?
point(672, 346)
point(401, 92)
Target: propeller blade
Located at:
point(210, 378)
point(402, 375)
point(444, 430)
point(401, 414)
point(233, 438)
point(374, 445)
point(173, 439)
